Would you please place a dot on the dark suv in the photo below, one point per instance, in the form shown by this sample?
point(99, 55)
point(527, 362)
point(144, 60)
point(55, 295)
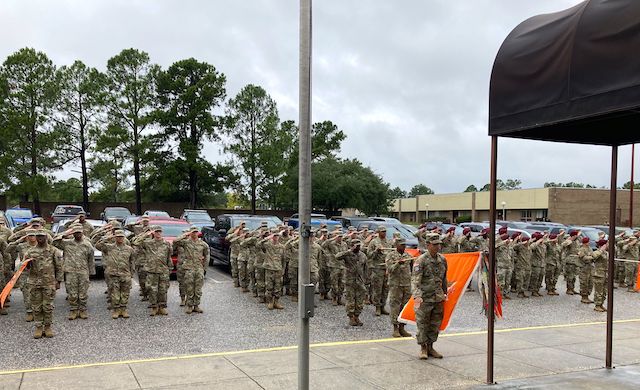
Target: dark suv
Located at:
point(215, 236)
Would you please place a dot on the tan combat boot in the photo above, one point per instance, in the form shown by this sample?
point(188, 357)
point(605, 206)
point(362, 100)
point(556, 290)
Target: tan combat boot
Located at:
point(432, 352)
point(340, 301)
point(83, 314)
point(600, 308)
point(277, 305)
point(163, 311)
point(244, 289)
point(124, 313)
point(73, 315)
point(262, 299)
point(506, 297)
point(270, 304)
point(294, 298)
point(3, 312)
point(115, 314)
point(38, 333)
point(197, 309)
point(154, 311)
point(424, 354)
point(396, 331)
point(189, 310)
point(48, 333)
point(403, 332)
point(378, 312)
point(352, 320)
point(383, 311)
point(183, 301)
point(334, 301)
point(585, 300)
point(29, 317)
point(357, 317)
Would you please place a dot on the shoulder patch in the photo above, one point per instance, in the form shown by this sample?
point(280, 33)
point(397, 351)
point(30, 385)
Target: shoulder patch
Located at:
point(416, 267)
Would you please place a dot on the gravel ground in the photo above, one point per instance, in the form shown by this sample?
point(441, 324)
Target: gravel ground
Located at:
point(235, 321)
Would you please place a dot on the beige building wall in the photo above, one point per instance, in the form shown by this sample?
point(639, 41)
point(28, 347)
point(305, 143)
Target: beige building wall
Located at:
point(580, 206)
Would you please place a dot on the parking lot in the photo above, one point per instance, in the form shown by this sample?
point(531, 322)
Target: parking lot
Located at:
point(234, 321)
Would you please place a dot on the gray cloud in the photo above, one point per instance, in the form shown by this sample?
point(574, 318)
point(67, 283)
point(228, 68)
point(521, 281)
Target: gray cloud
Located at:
point(406, 80)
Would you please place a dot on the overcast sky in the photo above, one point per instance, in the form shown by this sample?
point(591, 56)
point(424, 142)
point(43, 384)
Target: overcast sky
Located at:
point(407, 81)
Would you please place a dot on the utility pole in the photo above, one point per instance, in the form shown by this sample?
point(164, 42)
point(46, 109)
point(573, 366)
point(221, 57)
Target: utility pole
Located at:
point(633, 152)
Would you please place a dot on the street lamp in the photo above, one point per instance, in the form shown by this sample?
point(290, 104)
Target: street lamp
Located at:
point(427, 215)
point(504, 216)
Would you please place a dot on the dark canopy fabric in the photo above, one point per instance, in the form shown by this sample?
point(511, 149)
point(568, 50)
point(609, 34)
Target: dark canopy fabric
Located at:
point(571, 76)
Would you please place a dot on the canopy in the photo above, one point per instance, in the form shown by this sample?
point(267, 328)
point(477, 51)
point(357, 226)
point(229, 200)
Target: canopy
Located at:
point(571, 76)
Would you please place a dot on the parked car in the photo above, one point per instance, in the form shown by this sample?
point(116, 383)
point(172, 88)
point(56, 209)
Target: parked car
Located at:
point(198, 218)
point(157, 214)
point(65, 212)
point(215, 236)
point(627, 231)
point(476, 227)
point(171, 229)
point(117, 213)
point(17, 216)
point(392, 227)
point(350, 221)
point(58, 227)
point(586, 231)
point(385, 219)
point(523, 233)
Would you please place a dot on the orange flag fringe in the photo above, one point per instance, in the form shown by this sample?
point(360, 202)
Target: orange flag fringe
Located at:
point(460, 269)
point(7, 289)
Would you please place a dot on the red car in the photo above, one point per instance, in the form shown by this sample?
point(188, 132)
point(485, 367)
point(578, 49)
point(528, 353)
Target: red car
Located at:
point(171, 229)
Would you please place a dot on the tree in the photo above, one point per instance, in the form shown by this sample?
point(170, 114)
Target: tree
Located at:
point(188, 93)
point(69, 190)
point(30, 92)
point(396, 193)
point(131, 80)
point(107, 167)
point(420, 189)
point(627, 186)
point(568, 185)
point(79, 110)
point(509, 184)
point(252, 127)
point(471, 188)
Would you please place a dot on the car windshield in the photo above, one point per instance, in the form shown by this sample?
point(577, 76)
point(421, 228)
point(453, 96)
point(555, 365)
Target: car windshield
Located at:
point(253, 223)
point(118, 213)
point(539, 228)
point(157, 214)
point(200, 217)
point(19, 213)
point(173, 229)
point(67, 210)
point(592, 234)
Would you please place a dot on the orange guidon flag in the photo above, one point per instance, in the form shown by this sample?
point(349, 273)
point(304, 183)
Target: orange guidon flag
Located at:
point(7, 289)
point(460, 268)
point(638, 280)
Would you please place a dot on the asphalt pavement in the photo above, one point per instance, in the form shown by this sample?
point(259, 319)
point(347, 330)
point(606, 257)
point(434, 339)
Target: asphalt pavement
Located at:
point(234, 321)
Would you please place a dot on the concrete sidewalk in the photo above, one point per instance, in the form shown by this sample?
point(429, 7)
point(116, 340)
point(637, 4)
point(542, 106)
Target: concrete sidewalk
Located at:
point(546, 356)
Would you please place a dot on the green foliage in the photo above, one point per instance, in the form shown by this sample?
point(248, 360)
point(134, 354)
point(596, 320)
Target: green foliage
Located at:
point(509, 184)
point(420, 189)
point(627, 186)
point(569, 185)
point(69, 190)
point(396, 193)
point(463, 218)
point(471, 188)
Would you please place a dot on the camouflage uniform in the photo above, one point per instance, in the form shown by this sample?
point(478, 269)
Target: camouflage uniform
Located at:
point(245, 252)
point(78, 265)
point(87, 229)
point(195, 253)
point(538, 253)
point(119, 265)
point(448, 243)
point(619, 268)
point(258, 274)
point(19, 248)
point(354, 275)
point(272, 269)
point(429, 282)
point(44, 271)
point(421, 234)
point(465, 244)
point(553, 266)
point(332, 247)
point(503, 265)
point(399, 270)
point(234, 249)
point(571, 261)
point(324, 273)
point(158, 266)
point(315, 254)
point(600, 259)
point(522, 266)
point(585, 256)
point(292, 252)
point(6, 270)
point(631, 269)
point(376, 263)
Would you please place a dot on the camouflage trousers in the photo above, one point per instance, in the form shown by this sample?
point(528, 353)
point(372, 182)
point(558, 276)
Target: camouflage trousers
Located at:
point(260, 281)
point(293, 280)
point(286, 280)
point(119, 290)
point(243, 275)
point(181, 285)
point(42, 304)
point(600, 287)
point(251, 271)
point(25, 288)
point(379, 287)
point(535, 282)
point(523, 278)
point(337, 282)
point(428, 319)
point(631, 273)
point(157, 286)
point(273, 283)
point(619, 272)
point(504, 279)
point(398, 297)
point(354, 298)
point(570, 271)
point(77, 286)
point(142, 280)
point(551, 273)
point(193, 281)
point(324, 280)
point(234, 270)
point(586, 281)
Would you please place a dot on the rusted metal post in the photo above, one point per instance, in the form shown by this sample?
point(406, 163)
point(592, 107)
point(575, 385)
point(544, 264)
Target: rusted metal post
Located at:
point(612, 253)
point(492, 257)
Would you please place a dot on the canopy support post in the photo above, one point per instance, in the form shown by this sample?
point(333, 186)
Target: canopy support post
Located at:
point(492, 258)
point(612, 253)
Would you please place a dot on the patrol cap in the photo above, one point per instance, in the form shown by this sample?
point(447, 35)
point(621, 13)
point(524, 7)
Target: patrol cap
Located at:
point(264, 224)
point(84, 213)
point(243, 222)
point(193, 229)
point(434, 239)
point(77, 228)
point(401, 241)
point(144, 217)
point(324, 230)
point(156, 228)
point(40, 232)
point(356, 242)
point(119, 233)
point(31, 232)
point(274, 230)
point(352, 228)
point(246, 229)
point(381, 229)
point(34, 220)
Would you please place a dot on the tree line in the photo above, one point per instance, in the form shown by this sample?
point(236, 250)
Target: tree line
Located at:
point(138, 132)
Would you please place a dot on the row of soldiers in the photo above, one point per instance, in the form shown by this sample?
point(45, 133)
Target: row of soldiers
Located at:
point(69, 257)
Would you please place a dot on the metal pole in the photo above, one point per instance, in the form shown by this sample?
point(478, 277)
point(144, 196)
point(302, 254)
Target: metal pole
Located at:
point(633, 152)
point(492, 257)
point(612, 253)
point(304, 191)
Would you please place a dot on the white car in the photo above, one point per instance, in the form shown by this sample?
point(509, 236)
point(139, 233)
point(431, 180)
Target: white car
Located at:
point(58, 227)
